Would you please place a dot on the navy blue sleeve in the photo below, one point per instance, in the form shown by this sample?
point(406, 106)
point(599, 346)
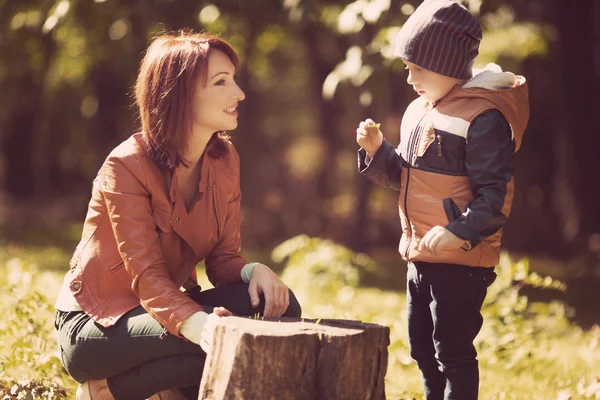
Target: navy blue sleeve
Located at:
point(488, 160)
point(385, 168)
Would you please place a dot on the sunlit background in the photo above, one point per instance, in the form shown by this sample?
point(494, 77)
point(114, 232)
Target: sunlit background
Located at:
point(311, 71)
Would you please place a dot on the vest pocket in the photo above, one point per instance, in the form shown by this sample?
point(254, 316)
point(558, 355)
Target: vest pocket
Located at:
point(451, 209)
point(428, 136)
point(442, 152)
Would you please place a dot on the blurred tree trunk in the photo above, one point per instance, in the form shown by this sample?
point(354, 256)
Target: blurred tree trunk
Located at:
point(577, 141)
point(247, 141)
point(576, 50)
point(18, 149)
point(357, 235)
point(110, 91)
point(328, 112)
point(24, 120)
point(554, 211)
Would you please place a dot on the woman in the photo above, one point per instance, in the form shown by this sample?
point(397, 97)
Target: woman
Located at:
point(164, 199)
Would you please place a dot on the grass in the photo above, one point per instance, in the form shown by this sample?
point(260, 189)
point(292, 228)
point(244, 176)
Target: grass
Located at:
point(528, 351)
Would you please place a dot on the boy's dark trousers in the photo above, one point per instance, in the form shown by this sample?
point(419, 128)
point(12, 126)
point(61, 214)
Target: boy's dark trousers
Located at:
point(444, 317)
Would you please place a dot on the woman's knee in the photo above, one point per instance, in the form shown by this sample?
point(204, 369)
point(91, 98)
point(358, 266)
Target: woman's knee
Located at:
point(294, 310)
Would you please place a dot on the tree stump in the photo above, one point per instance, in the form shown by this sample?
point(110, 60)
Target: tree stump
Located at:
point(296, 359)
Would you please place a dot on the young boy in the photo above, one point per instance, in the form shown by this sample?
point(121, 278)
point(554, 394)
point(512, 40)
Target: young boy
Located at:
point(454, 171)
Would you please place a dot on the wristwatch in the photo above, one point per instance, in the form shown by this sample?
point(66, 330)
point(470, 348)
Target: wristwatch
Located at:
point(466, 246)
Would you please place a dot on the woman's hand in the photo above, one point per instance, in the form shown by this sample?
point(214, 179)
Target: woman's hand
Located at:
point(277, 295)
point(369, 137)
point(207, 336)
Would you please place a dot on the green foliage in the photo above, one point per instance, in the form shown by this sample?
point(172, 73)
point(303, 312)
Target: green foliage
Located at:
point(43, 257)
point(527, 350)
point(29, 360)
point(28, 389)
point(318, 264)
point(516, 330)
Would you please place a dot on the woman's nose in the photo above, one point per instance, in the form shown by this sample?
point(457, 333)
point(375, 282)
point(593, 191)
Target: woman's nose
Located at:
point(239, 93)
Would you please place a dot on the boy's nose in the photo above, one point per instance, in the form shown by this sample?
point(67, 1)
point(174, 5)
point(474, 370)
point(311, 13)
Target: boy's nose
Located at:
point(410, 79)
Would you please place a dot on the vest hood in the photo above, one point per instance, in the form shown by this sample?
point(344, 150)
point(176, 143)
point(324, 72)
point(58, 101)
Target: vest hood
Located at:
point(505, 90)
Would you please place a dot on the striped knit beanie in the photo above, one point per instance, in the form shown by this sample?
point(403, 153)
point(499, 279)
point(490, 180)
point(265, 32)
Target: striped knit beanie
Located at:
point(441, 36)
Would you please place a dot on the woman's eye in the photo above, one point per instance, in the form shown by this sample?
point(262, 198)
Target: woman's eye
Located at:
point(220, 82)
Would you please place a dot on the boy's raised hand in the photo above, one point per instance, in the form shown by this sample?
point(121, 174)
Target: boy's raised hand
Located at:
point(439, 238)
point(369, 137)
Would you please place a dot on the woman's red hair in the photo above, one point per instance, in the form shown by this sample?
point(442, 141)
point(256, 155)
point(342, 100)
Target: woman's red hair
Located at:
point(164, 90)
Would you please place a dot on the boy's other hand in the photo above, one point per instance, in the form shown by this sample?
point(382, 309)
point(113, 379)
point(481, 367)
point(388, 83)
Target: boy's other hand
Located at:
point(438, 239)
point(369, 137)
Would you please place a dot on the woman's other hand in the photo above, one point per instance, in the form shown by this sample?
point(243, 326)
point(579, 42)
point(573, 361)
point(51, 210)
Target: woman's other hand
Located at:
point(208, 331)
point(277, 294)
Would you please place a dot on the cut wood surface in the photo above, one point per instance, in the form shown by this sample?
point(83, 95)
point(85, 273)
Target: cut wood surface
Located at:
point(292, 358)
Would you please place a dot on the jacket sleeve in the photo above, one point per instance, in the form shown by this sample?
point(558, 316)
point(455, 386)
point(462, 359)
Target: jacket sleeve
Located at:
point(128, 206)
point(385, 168)
point(224, 263)
point(488, 160)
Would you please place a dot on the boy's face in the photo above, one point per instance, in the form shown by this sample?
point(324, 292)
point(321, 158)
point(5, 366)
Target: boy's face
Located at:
point(428, 84)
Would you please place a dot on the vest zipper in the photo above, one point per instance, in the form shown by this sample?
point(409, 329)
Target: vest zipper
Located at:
point(413, 142)
point(406, 213)
point(412, 147)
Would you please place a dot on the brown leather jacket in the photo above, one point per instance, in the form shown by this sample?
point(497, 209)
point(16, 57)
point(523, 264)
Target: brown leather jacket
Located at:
point(140, 245)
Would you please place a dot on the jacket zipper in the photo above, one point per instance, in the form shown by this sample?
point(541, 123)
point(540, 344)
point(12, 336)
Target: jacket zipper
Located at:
point(215, 205)
point(439, 140)
point(163, 333)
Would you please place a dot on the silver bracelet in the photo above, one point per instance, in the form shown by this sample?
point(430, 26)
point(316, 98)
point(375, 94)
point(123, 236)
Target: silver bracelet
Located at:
point(247, 271)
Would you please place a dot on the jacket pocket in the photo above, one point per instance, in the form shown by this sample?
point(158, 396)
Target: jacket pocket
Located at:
point(162, 219)
point(452, 210)
point(114, 263)
point(116, 266)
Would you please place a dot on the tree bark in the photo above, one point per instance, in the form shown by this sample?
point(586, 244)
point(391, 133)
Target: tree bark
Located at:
point(577, 131)
point(27, 111)
point(296, 359)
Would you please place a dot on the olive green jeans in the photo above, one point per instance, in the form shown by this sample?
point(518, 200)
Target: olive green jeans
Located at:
point(137, 355)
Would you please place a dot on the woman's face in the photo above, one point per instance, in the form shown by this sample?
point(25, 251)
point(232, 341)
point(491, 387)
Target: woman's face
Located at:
point(214, 105)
